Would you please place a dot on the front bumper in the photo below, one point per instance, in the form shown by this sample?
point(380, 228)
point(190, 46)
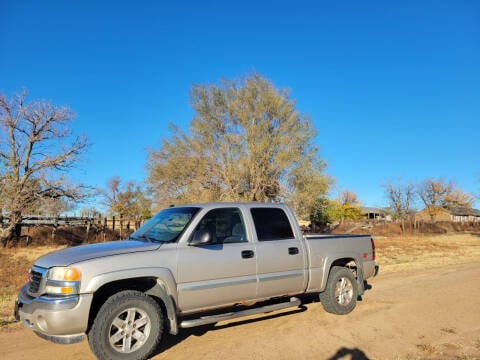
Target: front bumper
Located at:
point(58, 319)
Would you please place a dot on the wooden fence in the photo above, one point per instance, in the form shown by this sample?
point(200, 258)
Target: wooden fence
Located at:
point(116, 224)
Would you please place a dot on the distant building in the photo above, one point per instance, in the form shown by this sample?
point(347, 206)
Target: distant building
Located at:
point(371, 213)
point(465, 215)
point(458, 214)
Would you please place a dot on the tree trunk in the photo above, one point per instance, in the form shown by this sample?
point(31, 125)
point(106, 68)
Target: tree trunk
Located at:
point(7, 232)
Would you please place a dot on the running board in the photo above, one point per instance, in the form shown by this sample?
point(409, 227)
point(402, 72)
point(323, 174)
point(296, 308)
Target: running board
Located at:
point(232, 315)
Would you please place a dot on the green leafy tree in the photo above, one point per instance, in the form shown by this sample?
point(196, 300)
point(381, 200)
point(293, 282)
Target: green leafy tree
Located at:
point(327, 212)
point(349, 206)
point(246, 142)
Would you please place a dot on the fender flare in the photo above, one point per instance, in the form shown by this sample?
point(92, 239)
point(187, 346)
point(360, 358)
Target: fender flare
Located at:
point(337, 256)
point(160, 291)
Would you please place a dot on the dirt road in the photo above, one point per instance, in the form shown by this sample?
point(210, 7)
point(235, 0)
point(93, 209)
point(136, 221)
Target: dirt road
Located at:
point(433, 314)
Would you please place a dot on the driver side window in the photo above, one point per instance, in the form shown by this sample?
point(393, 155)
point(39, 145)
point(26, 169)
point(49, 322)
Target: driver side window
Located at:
point(225, 226)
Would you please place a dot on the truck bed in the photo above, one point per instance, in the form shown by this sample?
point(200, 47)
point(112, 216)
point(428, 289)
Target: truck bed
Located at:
point(325, 250)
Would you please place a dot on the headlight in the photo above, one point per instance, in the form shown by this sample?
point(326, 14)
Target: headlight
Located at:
point(63, 281)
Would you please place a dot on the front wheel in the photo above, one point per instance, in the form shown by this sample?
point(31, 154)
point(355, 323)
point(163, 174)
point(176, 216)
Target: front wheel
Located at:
point(340, 295)
point(129, 325)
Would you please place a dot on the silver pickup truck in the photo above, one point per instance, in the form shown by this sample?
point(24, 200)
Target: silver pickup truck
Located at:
point(185, 262)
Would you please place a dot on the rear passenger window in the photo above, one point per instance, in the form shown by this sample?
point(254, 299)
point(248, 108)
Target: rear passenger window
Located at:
point(271, 224)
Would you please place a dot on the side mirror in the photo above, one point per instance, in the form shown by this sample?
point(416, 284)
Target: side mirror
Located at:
point(201, 237)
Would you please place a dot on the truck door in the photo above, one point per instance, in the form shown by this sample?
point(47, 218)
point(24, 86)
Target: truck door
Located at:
point(280, 256)
point(222, 271)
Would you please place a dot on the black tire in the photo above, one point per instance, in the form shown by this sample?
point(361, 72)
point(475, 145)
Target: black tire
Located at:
point(129, 325)
point(340, 295)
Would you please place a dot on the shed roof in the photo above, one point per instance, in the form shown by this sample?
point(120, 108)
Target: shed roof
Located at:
point(461, 211)
point(367, 209)
point(372, 210)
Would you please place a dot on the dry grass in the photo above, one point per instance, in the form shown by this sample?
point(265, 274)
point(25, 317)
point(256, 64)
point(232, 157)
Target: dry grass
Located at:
point(402, 253)
point(14, 266)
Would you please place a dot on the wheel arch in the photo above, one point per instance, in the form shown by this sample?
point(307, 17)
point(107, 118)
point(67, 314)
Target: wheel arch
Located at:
point(344, 260)
point(157, 284)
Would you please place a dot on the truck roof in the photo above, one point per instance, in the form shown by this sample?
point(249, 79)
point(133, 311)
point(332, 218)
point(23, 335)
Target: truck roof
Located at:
point(231, 204)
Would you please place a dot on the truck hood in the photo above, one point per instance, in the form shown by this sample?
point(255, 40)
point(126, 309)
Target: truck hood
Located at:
point(77, 254)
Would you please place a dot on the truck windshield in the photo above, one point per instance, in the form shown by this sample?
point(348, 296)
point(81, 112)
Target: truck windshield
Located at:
point(167, 225)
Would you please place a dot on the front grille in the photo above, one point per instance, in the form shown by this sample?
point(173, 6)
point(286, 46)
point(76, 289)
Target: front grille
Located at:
point(34, 284)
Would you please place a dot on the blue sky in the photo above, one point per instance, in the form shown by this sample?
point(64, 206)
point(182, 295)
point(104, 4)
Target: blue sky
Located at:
point(393, 87)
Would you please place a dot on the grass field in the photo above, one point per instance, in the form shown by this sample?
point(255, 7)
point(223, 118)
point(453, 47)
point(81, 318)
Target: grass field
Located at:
point(394, 254)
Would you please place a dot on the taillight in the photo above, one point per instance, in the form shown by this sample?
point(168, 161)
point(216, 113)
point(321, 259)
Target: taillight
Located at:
point(373, 248)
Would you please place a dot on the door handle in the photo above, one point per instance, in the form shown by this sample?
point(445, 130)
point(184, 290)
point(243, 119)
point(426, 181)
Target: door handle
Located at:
point(293, 251)
point(247, 254)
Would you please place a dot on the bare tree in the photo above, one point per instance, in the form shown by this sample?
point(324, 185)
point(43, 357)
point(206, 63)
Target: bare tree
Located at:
point(348, 197)
point(53, 206)
point(438, 193)
point(247, 142)
point(127, 200)
point(90, 212)
point(400, 197)
point(433, 192)
point(477, 194)
point(457, 198)
point(36, 148)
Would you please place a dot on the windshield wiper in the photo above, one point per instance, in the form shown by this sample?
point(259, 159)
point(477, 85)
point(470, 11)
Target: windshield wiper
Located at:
point(143, 237)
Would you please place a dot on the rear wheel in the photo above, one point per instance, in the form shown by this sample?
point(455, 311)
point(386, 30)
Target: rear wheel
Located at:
point(340, 295)
point(129, 325)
